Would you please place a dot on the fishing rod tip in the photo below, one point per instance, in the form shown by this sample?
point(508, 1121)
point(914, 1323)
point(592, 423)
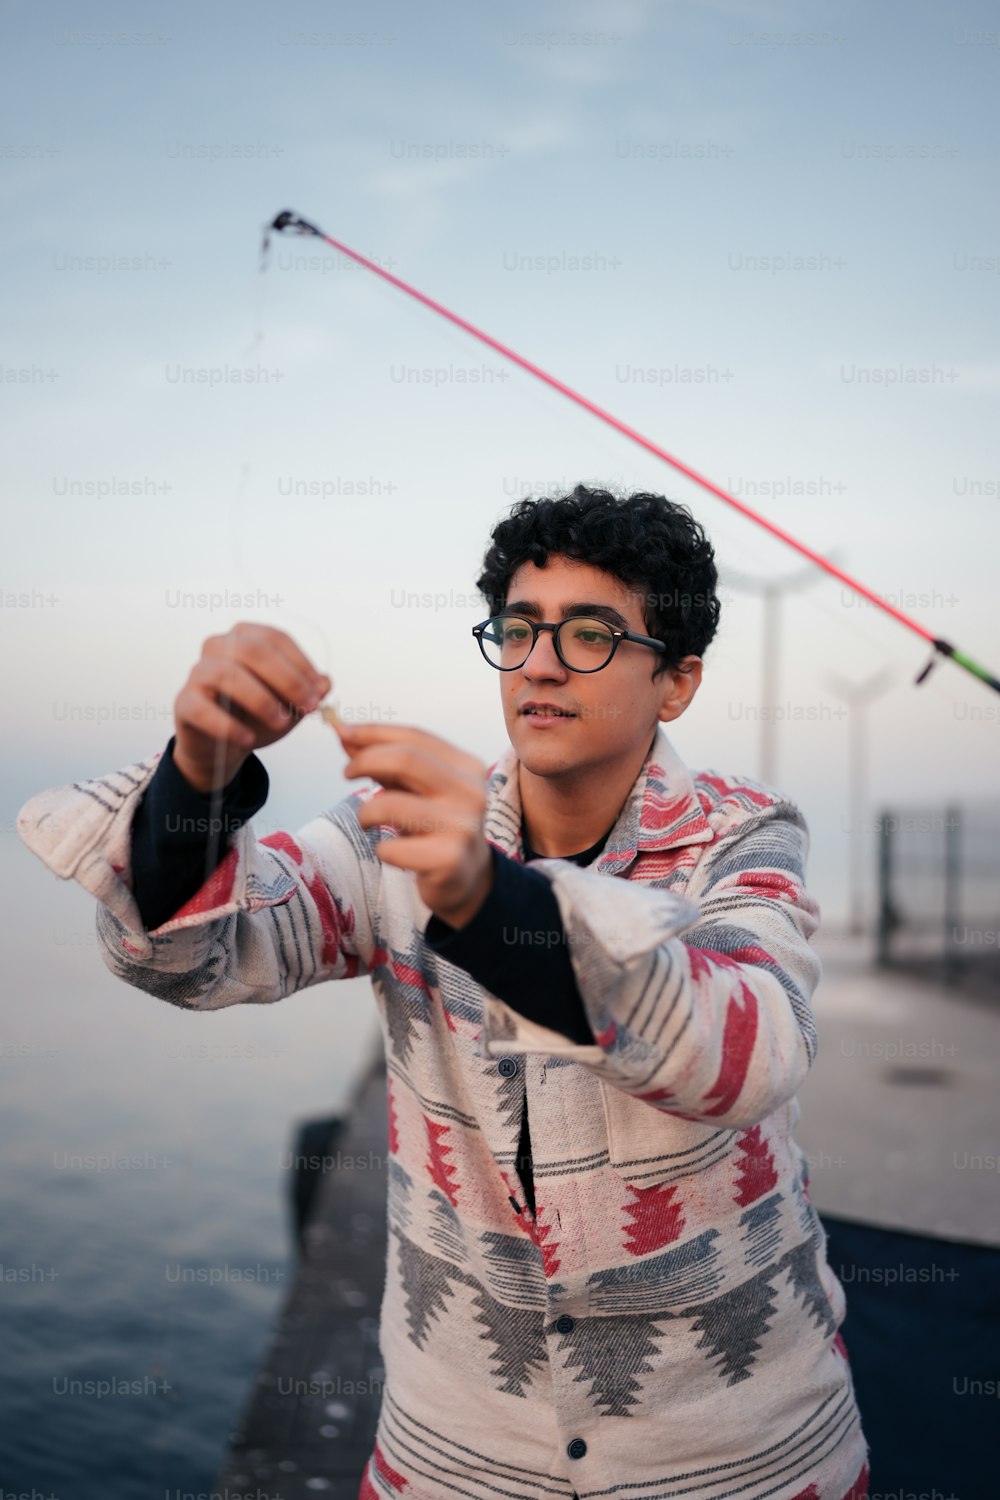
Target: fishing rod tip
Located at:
point(289, 219)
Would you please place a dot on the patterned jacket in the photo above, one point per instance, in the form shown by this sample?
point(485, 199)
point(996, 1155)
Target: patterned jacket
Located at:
point(666, 1323)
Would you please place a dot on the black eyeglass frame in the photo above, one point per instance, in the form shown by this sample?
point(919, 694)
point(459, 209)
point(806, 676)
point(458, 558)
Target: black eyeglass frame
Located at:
point(537, 626)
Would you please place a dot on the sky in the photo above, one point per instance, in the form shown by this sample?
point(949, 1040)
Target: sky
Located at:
point(765, 235)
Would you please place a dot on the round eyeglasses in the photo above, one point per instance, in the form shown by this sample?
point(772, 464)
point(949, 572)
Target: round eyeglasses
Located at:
point(583, 643)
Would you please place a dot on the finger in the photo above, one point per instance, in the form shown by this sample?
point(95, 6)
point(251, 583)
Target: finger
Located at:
point(287, 680)
point(411, 767)
point(257, 653)
point(421, 854)
point(411, 815)
point(250, 634)
point(197, 711)
point(401, 767)
point(363, 735)
point(243, 693)
point(299, 663)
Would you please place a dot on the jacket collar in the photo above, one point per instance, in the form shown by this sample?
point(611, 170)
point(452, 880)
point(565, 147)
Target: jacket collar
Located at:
point(662, 810)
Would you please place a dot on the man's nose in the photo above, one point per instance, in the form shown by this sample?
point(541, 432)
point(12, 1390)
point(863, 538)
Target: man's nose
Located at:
point(543, 660)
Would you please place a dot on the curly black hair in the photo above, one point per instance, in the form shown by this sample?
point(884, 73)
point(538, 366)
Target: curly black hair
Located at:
point(651, 544)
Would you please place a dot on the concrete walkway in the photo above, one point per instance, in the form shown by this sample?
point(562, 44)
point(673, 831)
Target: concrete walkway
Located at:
point(901, 1110)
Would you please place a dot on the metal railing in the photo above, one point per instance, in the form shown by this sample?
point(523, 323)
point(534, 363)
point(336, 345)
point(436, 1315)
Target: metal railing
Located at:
point(939, 891)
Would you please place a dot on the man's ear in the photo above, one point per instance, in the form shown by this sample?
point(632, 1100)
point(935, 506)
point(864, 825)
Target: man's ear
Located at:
point(680, 683)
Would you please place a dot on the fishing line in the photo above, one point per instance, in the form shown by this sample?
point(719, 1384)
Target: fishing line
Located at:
point(165, 1362)
point(292, 223)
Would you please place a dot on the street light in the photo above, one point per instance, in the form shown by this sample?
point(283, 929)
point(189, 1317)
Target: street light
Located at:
point(857, 696)
point(772, 590)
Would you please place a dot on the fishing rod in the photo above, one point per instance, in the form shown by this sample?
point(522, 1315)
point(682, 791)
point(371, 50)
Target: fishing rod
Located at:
point(289, 222)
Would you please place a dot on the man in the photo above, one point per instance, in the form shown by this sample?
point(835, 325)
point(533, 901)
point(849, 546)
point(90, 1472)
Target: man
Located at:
point(604, 1273)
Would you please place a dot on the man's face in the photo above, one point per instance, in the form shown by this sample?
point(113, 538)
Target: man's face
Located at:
point(614, 711)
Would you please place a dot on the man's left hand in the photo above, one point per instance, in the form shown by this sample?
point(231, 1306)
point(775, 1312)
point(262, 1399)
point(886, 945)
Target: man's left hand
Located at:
point(435, 798)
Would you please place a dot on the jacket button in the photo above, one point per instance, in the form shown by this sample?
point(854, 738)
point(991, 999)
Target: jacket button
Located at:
point(565, 1324)
point(577, 1448)
point(507, 1066)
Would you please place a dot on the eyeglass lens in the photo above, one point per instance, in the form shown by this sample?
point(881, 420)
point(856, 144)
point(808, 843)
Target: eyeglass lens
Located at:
point(585, 643)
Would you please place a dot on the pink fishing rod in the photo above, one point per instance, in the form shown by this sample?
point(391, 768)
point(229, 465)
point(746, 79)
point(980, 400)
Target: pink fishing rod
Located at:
point(288, 222)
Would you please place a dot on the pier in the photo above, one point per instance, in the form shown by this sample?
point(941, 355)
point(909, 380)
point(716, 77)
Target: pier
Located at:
point(309, 1423)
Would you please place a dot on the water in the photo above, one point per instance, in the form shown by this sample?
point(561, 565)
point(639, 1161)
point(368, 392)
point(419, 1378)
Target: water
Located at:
point(146, 1240)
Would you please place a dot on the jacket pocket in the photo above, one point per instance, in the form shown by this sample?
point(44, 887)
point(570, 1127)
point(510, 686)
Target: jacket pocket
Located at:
point(648, 1147)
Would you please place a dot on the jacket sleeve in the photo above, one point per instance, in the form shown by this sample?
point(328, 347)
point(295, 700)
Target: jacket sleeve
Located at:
point(180, 835)
point(715, 1026)
point(276, 915)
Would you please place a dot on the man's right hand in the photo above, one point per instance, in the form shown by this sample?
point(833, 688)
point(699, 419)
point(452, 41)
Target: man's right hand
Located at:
point(250, 688)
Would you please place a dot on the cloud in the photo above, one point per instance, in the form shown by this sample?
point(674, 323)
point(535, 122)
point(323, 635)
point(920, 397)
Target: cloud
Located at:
point(542, 134)
point(422, 180)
